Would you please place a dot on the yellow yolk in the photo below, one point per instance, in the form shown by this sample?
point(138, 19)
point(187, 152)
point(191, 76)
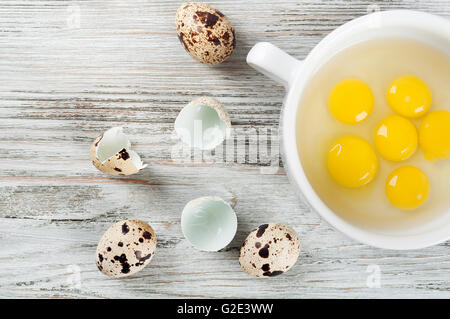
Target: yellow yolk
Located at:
point(434, 135)
point(352, 162)
point(396, 138)
point(407, 187)
point(409, 96)
point(351, 101)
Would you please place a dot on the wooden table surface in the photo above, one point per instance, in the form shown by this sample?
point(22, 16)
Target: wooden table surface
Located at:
point(71, 69)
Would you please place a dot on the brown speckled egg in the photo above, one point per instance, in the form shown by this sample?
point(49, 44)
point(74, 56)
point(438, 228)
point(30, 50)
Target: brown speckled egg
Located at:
point(126, 248)
point(206, 34)
point(269, 250)
point(122, 160)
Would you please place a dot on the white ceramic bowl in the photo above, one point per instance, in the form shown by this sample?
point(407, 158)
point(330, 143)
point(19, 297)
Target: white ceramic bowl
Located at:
point(295, 76)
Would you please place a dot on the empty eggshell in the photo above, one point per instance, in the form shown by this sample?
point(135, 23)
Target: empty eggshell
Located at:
point(269, 250)
point(111, 154)
point(208, 223)
point(204, 123)
point(126, 248)
point(206, 34)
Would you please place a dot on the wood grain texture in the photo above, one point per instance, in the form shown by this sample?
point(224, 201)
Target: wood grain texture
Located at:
point(63, 83)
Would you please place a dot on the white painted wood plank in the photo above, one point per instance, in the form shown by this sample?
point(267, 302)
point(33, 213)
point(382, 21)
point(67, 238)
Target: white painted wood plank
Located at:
point(62, 85)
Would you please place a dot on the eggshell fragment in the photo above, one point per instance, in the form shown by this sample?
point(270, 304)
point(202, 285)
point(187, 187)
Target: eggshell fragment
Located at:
point(206, 34)
point(270, 250)
point(208, 223)
point(111, 154)
point(126, 248)
point(204, 123)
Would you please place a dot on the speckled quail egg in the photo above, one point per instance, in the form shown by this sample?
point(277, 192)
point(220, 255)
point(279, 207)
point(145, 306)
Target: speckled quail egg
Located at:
point(126, 248)
point(206, 34)
point(269, 250)
point(204, 123)
point(111, 154)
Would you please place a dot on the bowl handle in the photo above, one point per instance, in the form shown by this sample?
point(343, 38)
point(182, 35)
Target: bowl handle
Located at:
point(274, 62)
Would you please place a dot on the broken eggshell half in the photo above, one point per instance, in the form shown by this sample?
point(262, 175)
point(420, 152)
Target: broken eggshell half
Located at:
point(111, 154)
point(204, 123)
point(208, 223)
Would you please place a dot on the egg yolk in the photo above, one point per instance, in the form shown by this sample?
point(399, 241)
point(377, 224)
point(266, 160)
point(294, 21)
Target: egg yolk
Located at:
point(352, 162)
point(396, 138)
point(409, 96)
point(407, 187)
point(351, 101)
point(434, 135)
